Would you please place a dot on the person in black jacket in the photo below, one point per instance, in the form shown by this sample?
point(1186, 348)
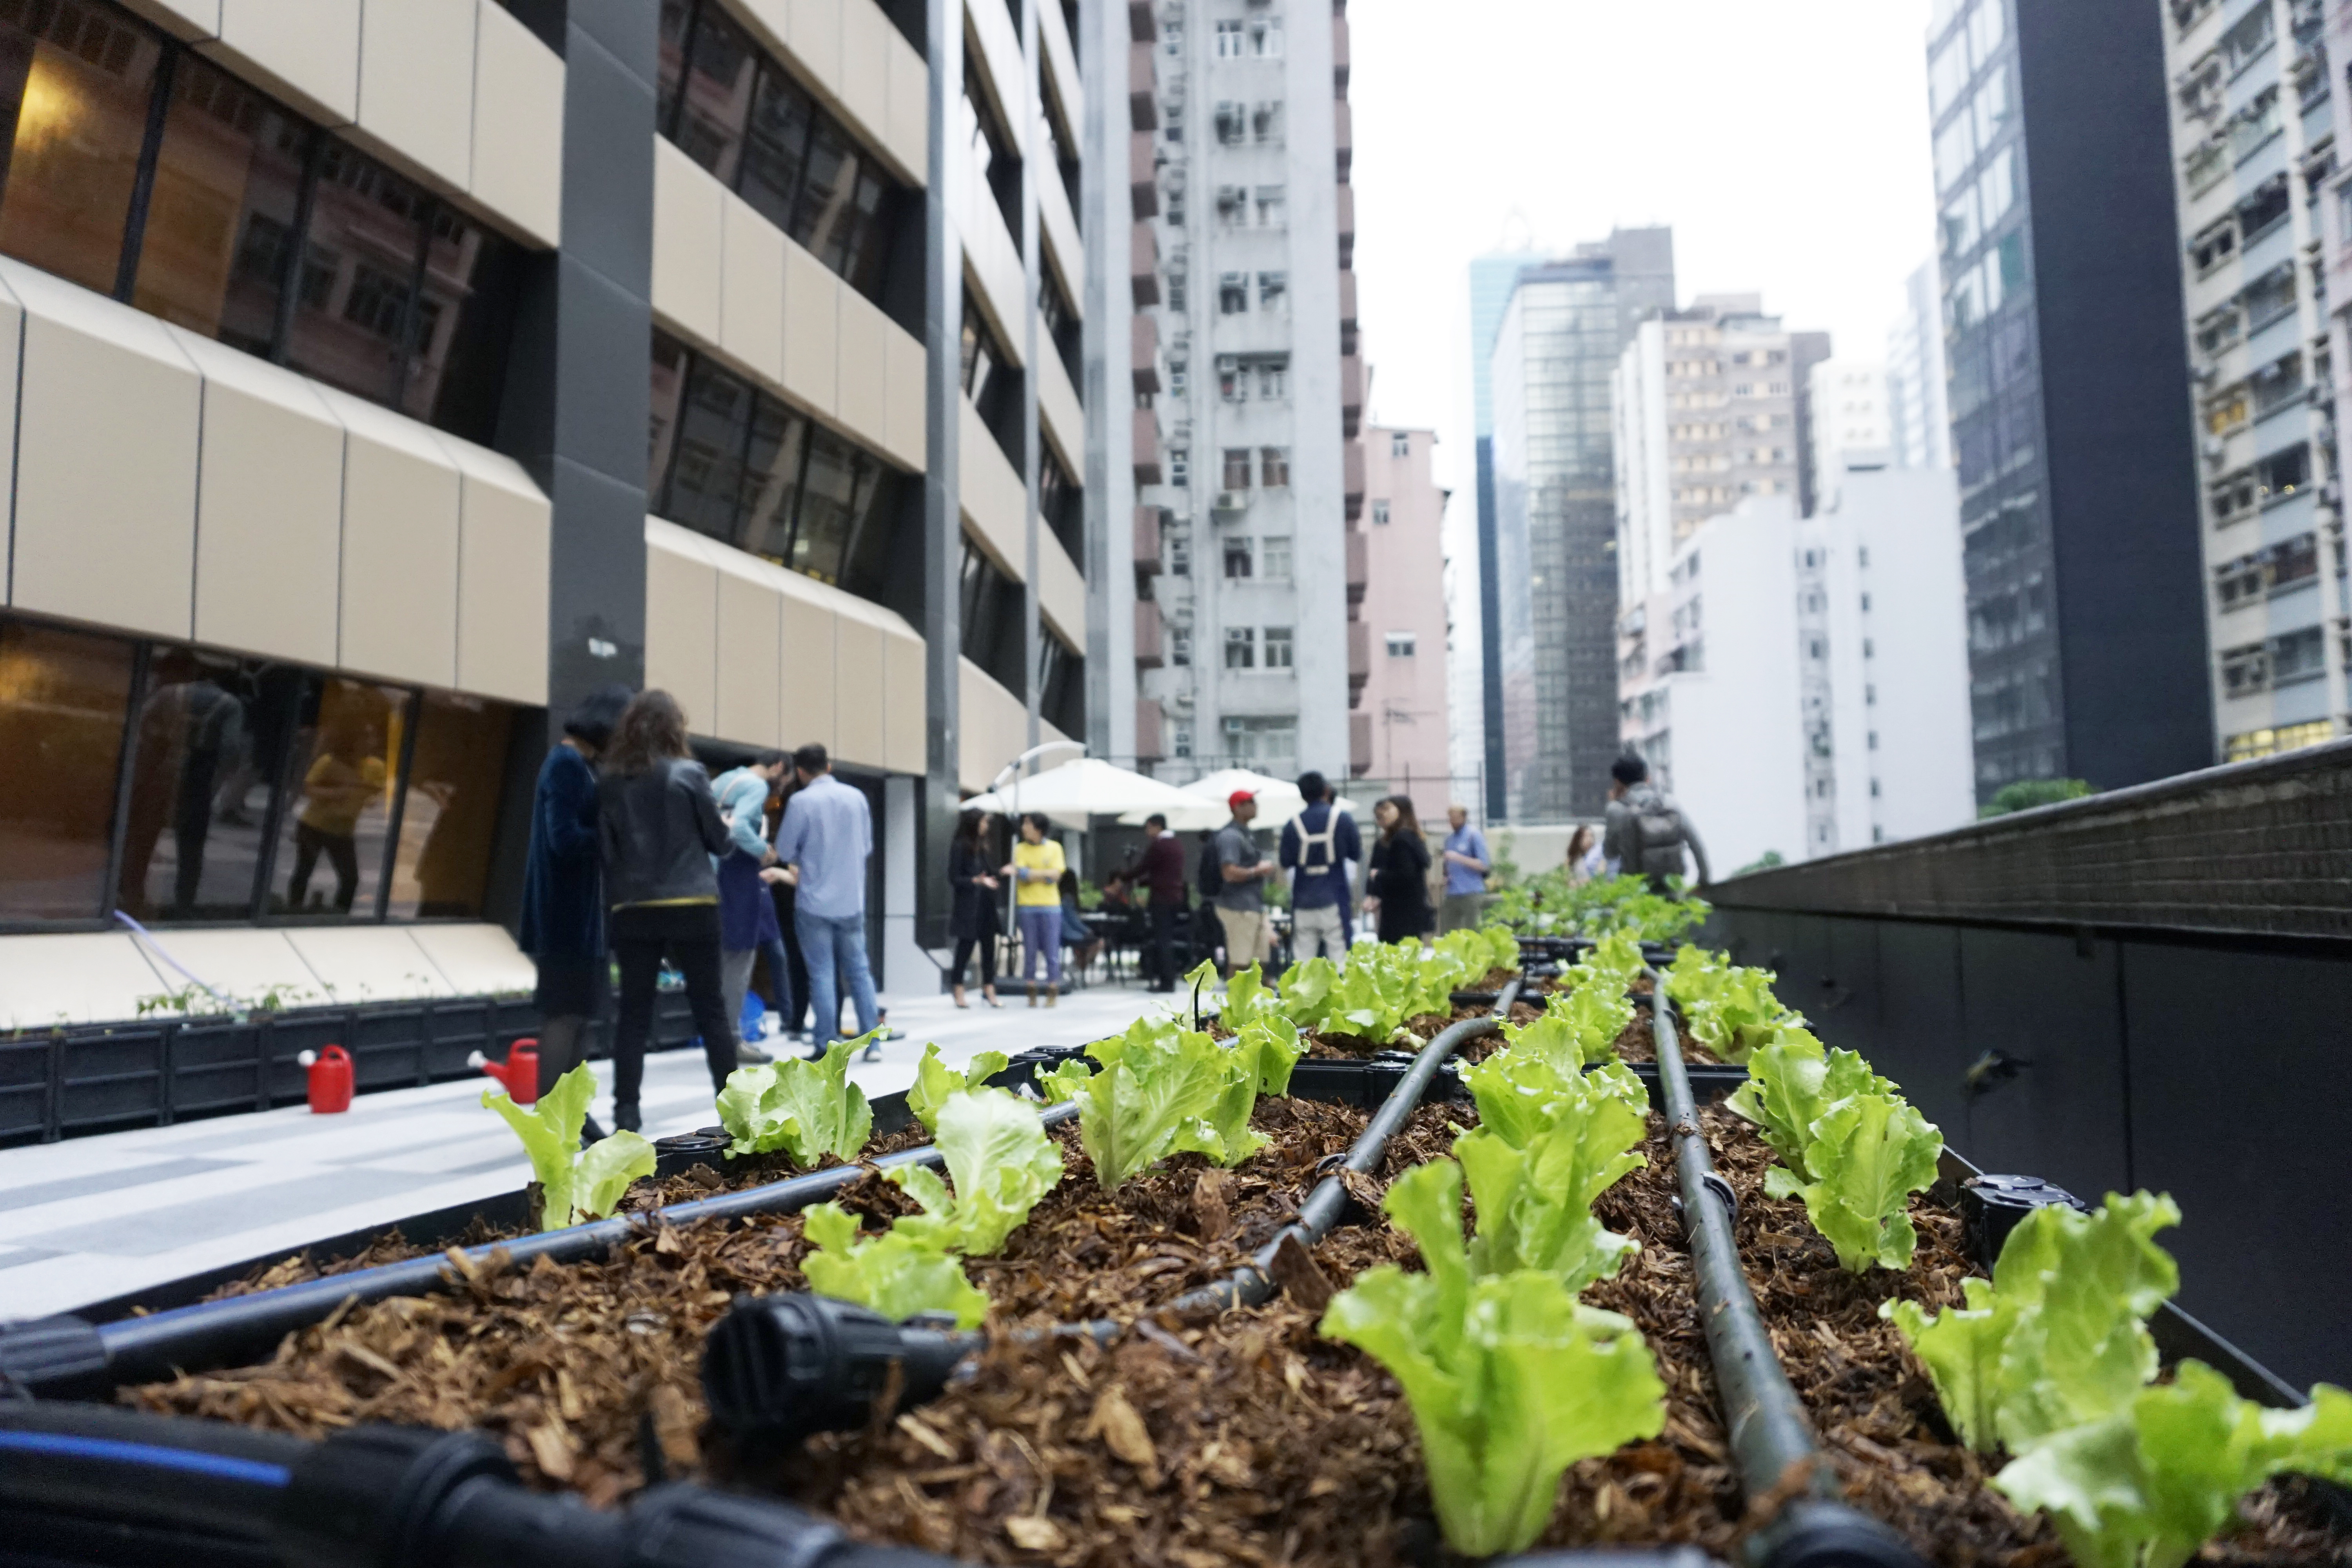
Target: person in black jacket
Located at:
point(563, 895)
point(974, 923)
point(1397, 887)
point(659, 826)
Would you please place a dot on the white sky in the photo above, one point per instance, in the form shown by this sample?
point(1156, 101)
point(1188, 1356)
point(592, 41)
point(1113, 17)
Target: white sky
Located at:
point(1785, 140)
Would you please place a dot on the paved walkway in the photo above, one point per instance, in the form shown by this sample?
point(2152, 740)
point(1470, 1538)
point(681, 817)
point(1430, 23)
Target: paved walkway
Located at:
point(92, 1218)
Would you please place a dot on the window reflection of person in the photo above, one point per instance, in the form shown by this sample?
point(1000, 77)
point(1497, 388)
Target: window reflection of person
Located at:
point(340, 785)
point(186, 730)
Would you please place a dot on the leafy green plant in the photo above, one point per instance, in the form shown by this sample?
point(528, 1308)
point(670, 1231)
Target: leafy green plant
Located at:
point(1509, 1378)
point(808, 1110)
point(1547, 1145)
point(1731, 1011)
point(1002, 1163)
point(1477, 951)
point(574, 1184)
point(2027, 794)
point(1613, 963)
point(1791, 1082)
point(935, 1081)
point(893, 1273)
point(1162, 1089)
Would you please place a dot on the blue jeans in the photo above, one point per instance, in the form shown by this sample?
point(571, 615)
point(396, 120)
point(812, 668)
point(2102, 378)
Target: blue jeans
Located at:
point(1041, 936)
point(825, 943)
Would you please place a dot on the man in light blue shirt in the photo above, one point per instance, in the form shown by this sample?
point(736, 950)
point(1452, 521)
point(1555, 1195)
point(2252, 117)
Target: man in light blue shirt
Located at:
point(1466, 864)
point(829, 834)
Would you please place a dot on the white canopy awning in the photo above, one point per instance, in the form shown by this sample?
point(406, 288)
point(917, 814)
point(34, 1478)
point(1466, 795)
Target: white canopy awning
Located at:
point(1077, 792)
point(1277, 802)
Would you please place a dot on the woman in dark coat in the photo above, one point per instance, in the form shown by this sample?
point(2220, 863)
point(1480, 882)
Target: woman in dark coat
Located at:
point(563, 897)
point(1397, 886)
point(975, 922)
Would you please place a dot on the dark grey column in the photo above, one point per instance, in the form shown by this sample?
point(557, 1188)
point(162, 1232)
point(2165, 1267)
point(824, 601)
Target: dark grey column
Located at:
point(942, 505)
point(1032, 265)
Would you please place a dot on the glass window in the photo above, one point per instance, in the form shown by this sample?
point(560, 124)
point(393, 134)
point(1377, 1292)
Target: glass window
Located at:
point(220, 227)
point(1996, 190)
point(63, 699)
point(1274, 462)
point(210, 736)
point(339, 806)
point(777, 152)
point(1241, 647)
point(1948, 74)
point(368, 228)
point(449, 812)
point(457, 343)
point(1991, 108)
point(1988, 25)
point(1278, 648)
point(771, 481)
point(706, 485)
point(676, 18)
point(1274, 558)
point(79, 83)
point(1237, 469)
point(1956, 149)
point(714, 99)
point(671, 362)
point(838, 493)
point(840, 205)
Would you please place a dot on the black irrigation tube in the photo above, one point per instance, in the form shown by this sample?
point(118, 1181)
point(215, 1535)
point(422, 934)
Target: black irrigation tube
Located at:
point(1773, 1441)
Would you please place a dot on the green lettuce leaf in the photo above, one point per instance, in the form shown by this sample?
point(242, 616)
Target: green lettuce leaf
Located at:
point(605, 1169)
point(1151, 1092)
point(1273, 1045)
point(1002, 1160)
point(892, 1274)
point(573, 1186)
point(1247, 997)
point(1960, 1347)
point(808, 1110)
point(1067, 1078)
point(1740, 1015)
point(1791, 1083)
point(1306, 991)
point(1597, 1011)
point(934, 1080)
point(1872, 1153)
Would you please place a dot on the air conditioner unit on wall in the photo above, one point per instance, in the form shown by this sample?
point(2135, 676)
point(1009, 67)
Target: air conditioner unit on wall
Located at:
point(1231, 503)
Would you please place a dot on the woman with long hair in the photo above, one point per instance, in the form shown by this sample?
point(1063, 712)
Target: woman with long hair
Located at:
point(660, 827)
point(1583, 855)
point(1036, 869)
point(974, 923)
point(1397, 879)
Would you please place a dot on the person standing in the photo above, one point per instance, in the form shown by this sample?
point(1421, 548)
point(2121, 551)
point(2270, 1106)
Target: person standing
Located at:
point(974, 923)
point(1398, 887)
point(747, 915)
point(1645, 832)
point(1161, 869)
point(1037, 872)
point(1466, 864)
point(562, 891)
point(658, 826)
point(1316, 845)
point(1584, 860)
point(1242, 871)
point(788, 985)
point(829, 834)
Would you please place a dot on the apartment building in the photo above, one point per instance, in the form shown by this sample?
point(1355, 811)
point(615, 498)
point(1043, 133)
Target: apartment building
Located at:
point(1851, 423)
point(2254, 138)
point(1800, 684)
point(1918, 410)
point(1263, 389)
point(1708, 412)
point(2069, 395)
point(1399, 729)
point(386, 377)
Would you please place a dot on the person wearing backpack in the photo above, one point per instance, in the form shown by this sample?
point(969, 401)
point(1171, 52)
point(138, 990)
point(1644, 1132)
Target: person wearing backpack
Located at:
point(1316, 845)
point(1645, 833)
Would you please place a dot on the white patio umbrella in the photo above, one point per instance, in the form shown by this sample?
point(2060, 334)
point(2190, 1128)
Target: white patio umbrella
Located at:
point(1090, 788)
point(1278, 800)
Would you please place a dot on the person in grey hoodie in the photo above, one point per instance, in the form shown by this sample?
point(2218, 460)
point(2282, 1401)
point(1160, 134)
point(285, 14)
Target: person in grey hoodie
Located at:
point(1645, 832)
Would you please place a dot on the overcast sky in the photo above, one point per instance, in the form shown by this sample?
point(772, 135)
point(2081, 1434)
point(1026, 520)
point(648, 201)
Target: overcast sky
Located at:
point(1785, 140)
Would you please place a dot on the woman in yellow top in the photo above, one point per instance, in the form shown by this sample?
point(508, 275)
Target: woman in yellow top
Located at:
point(1037, 867)
point(340, 785)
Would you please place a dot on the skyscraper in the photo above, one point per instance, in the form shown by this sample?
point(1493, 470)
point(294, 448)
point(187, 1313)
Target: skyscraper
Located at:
point(1492, 279)
point(2069, 391)
point(1918, 410)
point(1554, 576)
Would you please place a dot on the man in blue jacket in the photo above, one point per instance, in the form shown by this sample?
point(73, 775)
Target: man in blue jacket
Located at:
point(1316, 845)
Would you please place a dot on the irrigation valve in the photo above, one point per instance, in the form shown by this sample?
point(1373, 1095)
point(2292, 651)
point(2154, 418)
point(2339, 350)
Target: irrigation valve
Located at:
point(519, 1072)
point(787, 1367)
point(330, 1079)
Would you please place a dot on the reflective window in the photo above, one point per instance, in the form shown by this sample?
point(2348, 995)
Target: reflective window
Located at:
point(839, 494)
point(207, 747)
point(779, 440)
point(708, 115)
point(707, 482)
point(63, 695)
point(449, 812)
point(75, 81)
point(340, 777)
point(352, 321)
point(778, 148)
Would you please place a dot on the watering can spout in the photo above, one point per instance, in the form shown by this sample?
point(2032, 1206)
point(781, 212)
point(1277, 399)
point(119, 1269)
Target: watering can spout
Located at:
point(519, 1072)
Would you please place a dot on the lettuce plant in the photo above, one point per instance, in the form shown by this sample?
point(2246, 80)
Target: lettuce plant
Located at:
point(574, 1185)
point(1731, 1011)
point(1548, 1145)
point(1853, 1149)
point(1511, 1380)
point(1162, 1089)
point(1791, 1083)
point(893, 1273)
point(1575, 1027)
point(1613, 962)
point(808, 1110)
point(935, 1081)
point(1002, 1163)
point(1477, 951)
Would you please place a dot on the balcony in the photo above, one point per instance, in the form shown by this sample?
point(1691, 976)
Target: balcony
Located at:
point(1360, 655)
point(1143, 177)
point(1150, 641)
point(1147, 539)
point(1352, 458)
point(1351, 393)
point(1359, 744)
point(1347, 226)
point(1142, 21)
point(1147, 470)
point(1142, 88)
point(1144, 334)
point(1151, 730)
point(1340, 54)
point(1343, 137)
point(1360, 565)
point(1143, 266)
point(1347, 312)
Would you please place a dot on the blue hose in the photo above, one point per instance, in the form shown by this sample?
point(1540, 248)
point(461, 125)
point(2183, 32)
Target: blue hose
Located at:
point(220, 1466)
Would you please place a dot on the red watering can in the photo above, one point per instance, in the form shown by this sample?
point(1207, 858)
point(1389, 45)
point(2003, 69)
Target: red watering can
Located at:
point(330, 1079)
point(519, 1072)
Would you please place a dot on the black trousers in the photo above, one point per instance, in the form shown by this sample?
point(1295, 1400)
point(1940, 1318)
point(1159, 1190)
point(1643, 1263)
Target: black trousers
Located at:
point(1159, 958)
point(639, 955)
point(987, 945)
point(795, 1015)
point(342, 853)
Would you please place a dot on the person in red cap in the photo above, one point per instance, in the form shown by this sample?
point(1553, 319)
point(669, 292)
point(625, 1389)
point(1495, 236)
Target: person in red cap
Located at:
point(1241, 899)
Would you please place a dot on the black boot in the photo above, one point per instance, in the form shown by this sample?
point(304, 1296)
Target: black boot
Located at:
point(627, 1118)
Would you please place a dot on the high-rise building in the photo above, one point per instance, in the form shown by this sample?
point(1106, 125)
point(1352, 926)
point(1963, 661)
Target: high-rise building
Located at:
point(1475, 583)
point(1554, 573)
point(1400, 727)
point(2061, 269)
point(1918, 411)
point(1255, 232)
point(2254, 136)
point(325, 495)
point(1850, 428)
point(1706, 415)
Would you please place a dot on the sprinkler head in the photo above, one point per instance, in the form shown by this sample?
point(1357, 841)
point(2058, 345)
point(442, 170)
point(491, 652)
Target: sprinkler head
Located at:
point(790, 1366)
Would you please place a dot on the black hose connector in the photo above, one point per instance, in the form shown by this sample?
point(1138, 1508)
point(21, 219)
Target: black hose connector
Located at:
point(385, 1496)
point(1992, 1206)
point(786, 1367)
point(1821, 1534)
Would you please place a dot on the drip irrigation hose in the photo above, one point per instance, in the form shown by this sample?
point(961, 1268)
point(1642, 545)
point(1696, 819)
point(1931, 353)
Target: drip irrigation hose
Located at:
point(67, 1357)
point(106, 1463)
point(1773, 1440)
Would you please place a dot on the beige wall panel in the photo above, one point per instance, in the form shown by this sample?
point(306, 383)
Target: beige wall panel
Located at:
point(689, 227)
point(244, 963)
point(269, 509)
point(681, 616)
point(771, 22)
point(811, 331)
point(865, 377)
point(805, 700)
point(1060, 52)
point(992, 268)
point(369, 963)
point(417, 83)
point(307, 51)
point(866, 35)
point(476, 960)
point(750, 629)
point(1061, 590)
point(517, 159)
point(1064, 252)
point(993, 498)
point(995, 727)
point(906, 427)
point(858, 691)
point(906, 702)
point(505, 543)
point(907, 138)
point(813, 33)
point(1059, 415)
point(191, 19)
point(96, 977)
point(751, 293)
point(402, 504)
point(106, 475)
point(998, 58)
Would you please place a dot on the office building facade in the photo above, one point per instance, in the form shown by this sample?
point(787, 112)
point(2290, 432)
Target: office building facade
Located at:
point(2069, 391)
point(1850, 422)
point(2253, 135)
point(1478, 606)
point(1918, 410)
point(1398, 730)
point(390, 377)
